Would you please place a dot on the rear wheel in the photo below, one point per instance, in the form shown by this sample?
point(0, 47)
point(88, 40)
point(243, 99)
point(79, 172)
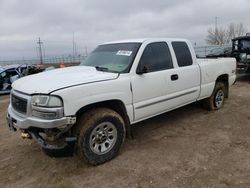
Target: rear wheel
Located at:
point(101, 134)
point(216, 101)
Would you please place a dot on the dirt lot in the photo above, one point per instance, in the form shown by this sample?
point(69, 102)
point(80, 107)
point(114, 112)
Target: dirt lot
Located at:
point(188, 147)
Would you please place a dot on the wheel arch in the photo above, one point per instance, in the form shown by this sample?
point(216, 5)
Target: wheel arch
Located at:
point(116, 105)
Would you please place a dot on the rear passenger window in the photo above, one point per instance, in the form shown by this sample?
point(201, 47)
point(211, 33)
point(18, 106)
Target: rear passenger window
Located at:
point(182, 54)
point(156, 57)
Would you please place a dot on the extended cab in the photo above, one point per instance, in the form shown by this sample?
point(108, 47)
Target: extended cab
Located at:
point(91, 107)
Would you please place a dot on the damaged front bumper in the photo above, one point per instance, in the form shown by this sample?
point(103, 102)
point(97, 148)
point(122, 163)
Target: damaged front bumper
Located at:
point(54, 150)
point(23, 122)
point(34, 126)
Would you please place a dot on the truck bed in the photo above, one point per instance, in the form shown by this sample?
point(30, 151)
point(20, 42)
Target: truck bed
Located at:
point(209, 73)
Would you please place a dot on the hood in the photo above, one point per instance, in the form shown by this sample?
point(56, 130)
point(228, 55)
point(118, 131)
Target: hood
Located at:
point(47, 82)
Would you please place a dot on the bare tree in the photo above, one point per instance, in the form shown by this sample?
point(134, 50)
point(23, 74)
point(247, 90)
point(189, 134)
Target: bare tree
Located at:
point(235, 30)
point(220, 36)
point(216, 36)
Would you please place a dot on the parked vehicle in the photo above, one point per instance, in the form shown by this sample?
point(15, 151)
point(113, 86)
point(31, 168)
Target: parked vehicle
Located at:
point(241, 51)
point(10, 73)
point(92, 107)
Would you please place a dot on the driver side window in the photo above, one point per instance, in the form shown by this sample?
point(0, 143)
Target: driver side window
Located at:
point(156, 57)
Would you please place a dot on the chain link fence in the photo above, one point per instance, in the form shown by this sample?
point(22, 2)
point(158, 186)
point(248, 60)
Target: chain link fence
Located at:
point(201, 52)
point(216, 50)
point(51, 60)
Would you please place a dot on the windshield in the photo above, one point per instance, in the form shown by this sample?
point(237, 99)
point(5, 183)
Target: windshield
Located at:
point(245, 44)
point(113, 57)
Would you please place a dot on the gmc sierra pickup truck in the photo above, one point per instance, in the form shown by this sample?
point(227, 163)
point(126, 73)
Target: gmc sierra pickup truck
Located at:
point(90, 108)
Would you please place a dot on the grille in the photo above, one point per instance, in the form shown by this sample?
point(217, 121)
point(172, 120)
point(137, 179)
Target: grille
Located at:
point(19, 104)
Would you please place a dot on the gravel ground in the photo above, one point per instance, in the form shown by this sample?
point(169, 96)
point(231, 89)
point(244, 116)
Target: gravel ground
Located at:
point(188, 147)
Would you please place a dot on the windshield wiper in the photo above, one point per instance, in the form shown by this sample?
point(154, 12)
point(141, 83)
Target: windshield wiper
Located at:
point(101, 68)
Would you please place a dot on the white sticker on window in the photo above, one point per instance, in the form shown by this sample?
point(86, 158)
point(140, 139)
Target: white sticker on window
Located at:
point(123, 52)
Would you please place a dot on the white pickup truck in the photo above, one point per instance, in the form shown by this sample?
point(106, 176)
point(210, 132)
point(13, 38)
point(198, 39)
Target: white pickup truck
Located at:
point(90, 108)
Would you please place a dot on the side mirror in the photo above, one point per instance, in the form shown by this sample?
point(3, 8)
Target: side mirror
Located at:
point(142, 70)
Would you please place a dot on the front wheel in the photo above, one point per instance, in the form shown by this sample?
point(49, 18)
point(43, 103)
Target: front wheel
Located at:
point(101, 134)
point(216, 101)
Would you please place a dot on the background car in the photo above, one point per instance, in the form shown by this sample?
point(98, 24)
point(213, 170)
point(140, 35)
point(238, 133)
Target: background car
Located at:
point(10, 73)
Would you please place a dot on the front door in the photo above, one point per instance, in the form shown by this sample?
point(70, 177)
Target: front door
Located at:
point(149, 84)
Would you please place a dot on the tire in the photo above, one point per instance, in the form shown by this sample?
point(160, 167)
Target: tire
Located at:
point(216, 100)
point(100, 134)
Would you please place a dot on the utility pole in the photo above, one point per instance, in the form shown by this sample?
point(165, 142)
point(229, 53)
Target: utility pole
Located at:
point(44, 55)
point(40, 50)
point(216, 29)
point(216, 22)
point(86, 51)
point(74, 47)
point(73, 44)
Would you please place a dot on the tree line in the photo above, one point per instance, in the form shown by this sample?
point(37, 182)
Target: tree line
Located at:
point(220, 36)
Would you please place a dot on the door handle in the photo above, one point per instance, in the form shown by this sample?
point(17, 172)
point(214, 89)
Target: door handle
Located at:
point(174, 77)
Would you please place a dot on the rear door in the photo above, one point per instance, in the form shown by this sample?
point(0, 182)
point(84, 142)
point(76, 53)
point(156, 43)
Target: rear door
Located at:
point(186, 76)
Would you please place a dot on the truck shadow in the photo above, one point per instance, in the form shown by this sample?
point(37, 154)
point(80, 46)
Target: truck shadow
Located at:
point(146, 126)
point(170, 119)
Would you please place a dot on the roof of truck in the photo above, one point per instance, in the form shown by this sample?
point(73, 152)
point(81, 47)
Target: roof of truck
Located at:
point(141, 40)
point(242, 38)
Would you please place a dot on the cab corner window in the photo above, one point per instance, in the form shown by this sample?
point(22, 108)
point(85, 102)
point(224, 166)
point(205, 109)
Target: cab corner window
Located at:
point(182, 54)
point(156, 57)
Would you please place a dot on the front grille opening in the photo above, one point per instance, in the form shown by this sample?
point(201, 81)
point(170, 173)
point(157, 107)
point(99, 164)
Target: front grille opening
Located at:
point(19, 104)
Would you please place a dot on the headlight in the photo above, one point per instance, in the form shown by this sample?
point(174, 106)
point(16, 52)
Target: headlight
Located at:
point(46, 101)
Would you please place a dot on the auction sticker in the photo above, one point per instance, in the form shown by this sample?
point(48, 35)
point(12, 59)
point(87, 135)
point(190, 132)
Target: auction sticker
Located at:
point(124, 52)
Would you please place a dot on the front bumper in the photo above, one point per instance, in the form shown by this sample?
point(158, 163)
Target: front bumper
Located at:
point(33, 126)
point(66, 149)
point(17, 121)
point(26, 119)
point(29, 125)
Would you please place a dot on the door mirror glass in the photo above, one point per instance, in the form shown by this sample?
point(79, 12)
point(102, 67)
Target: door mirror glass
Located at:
point(142, 70)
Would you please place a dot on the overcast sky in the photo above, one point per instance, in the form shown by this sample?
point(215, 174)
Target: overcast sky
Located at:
point(97, 21)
